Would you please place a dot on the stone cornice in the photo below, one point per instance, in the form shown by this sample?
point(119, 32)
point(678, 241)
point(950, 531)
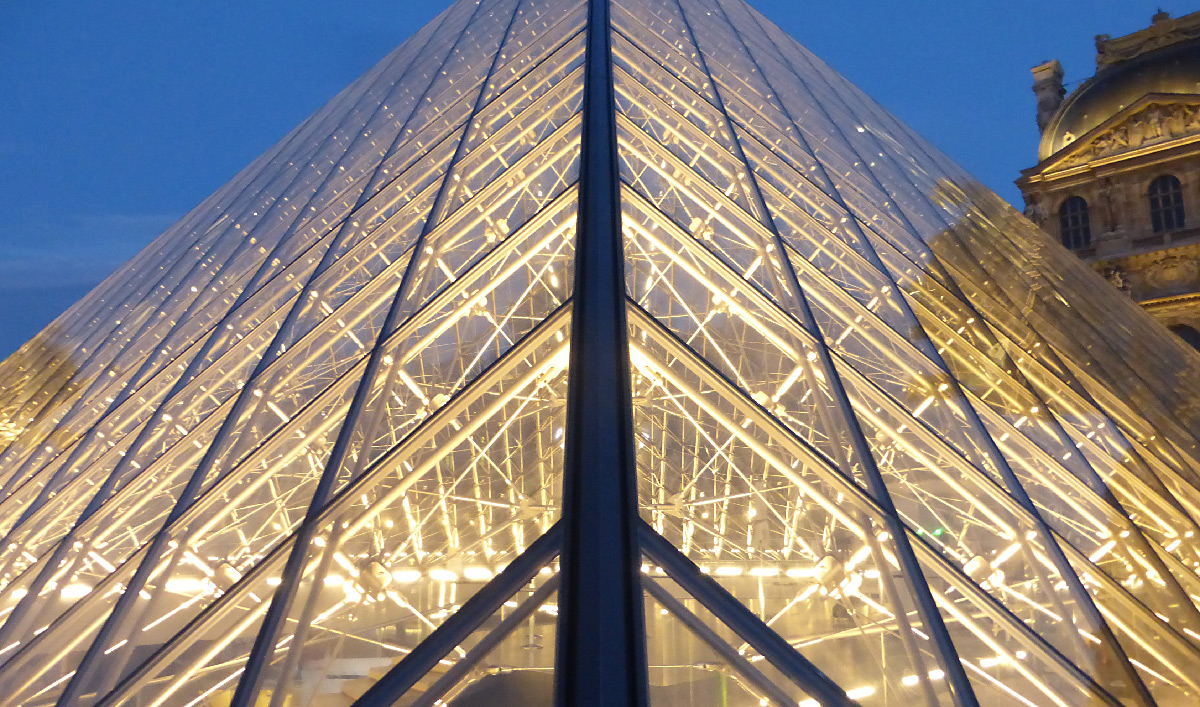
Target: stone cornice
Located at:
point(1163, 33)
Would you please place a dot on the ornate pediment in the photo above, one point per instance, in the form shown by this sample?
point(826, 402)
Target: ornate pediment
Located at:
point(1156, 119)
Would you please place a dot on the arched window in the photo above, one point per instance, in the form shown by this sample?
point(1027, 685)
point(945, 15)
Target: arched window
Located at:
point(1166, 203)
point(1074, 226)
point(1187, 333)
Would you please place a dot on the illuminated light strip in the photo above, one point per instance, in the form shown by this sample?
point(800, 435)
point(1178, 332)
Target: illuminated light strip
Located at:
point(875, 605)
point(923, 406)
point(117, 645)
point(275, 409)
point(53, 684)
point(1102, 551)
point(172, 612)
point(99, 559)
point(983, 673)
point(214, 688)
point(554, 361)
point(787, 383)
point(1004, 555)
point(1155, 673)
point(1149, 646)
point(1026, 600)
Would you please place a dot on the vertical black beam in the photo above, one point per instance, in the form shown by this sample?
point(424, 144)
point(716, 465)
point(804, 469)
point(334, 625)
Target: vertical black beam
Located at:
point(601, 654)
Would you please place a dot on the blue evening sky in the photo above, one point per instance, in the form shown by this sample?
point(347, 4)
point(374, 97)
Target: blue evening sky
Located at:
point(118, 117)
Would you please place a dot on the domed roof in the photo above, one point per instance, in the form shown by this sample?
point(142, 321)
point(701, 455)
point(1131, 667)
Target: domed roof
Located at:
point(1173, 69)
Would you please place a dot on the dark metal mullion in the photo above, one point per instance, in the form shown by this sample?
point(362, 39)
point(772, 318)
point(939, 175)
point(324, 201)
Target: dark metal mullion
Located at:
point(926, 606)
point(246, 201)
point(120, 612)
point(751, 629)
point(334, 506)
point(98, 499)
point(247, 178)
point(705, 633)
point(461, 624)
point(282, 598)
point(600, 656)
point(1082, 598)
point(462, 667)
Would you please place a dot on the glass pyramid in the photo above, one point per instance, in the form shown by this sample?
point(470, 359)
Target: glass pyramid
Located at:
point(601, 352)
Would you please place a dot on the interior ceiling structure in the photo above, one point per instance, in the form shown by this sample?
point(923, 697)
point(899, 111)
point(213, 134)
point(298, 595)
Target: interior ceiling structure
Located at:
point(812, 419)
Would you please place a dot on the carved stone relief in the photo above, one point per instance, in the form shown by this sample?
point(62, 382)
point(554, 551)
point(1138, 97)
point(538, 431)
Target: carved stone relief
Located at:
point(1157, 123)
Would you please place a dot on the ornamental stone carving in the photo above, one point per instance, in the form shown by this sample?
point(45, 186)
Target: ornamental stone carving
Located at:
point(1034, 210)
point(1117, 278)
point(1156, 123)
point(1172, 273)
point(1164, 32)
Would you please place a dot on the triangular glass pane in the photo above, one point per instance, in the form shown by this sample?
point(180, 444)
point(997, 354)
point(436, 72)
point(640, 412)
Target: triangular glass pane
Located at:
point(507, 662)
point(430, 522)
point(975, 524)
point(777, 526)
point(728, 323)
point(695, 660)
point(390, 558)
point(1006, 663)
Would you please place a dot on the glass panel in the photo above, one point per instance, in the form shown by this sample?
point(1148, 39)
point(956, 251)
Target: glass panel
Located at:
point(694, 659)
point(507, 662)
point(767, 516)
point(397, 551)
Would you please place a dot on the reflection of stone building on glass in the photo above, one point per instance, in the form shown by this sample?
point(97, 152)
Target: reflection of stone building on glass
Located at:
point(1118, 177)
point(598, 353)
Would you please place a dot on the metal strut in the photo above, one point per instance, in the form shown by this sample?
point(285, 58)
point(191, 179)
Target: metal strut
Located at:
point(601, 648)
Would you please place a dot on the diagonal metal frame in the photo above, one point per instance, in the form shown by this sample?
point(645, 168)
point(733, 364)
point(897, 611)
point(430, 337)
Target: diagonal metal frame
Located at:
point(741, 620)
point(926, 606)
point(1082, 598)
point(459, 626)
point(710, 638)
point(119, 614)
point(247, 688)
